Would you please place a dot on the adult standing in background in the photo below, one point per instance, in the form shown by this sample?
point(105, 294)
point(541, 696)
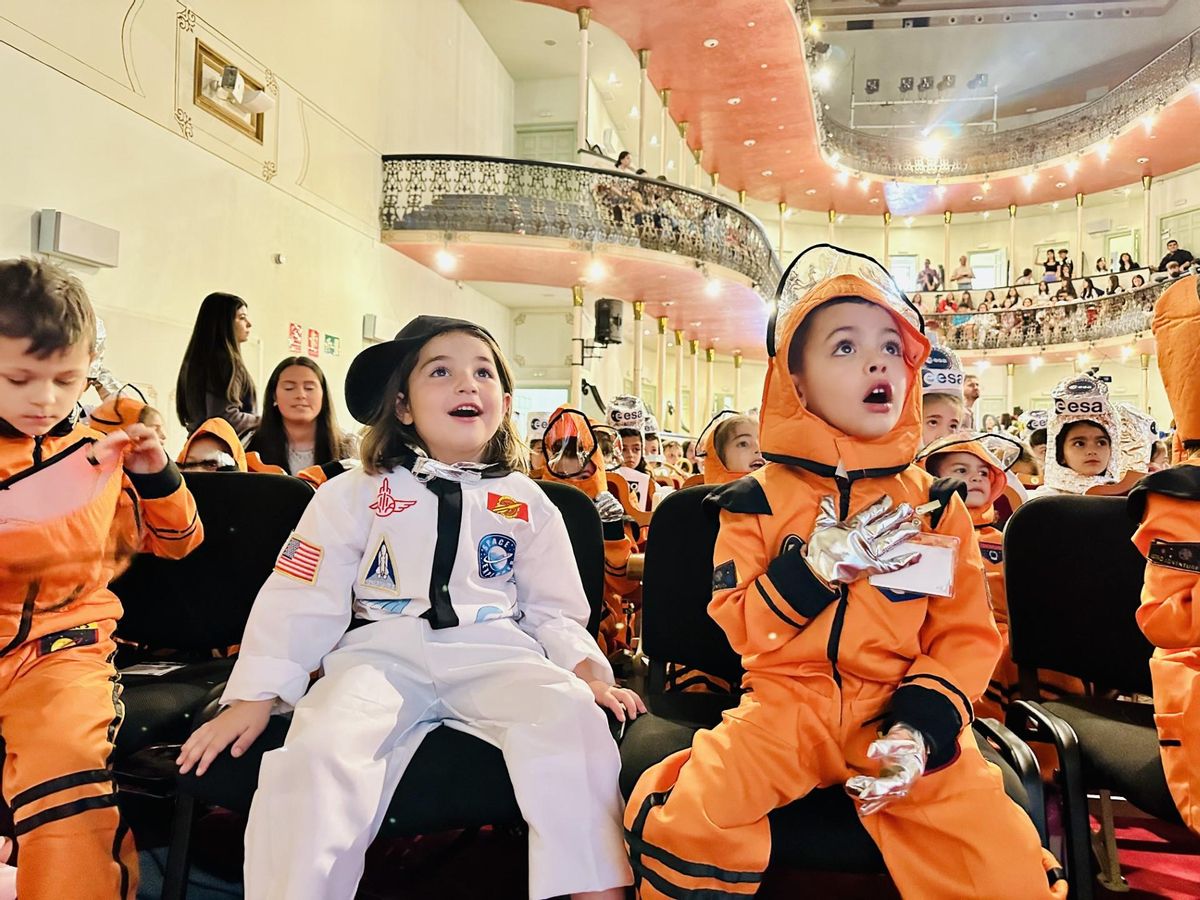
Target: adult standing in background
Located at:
point(928, 280)
point(299, 424)
point(213, 380)
point(970, 395)
point(964, 275)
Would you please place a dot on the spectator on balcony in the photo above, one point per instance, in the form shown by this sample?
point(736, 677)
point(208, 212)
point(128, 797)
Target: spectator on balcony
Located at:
point(1126, 263)
point(1066, 267)
point(1174, 269)
point(970, 395)
point(1175, 254)
point(1043, 293)
point(985, 321)
point(946, 303)
point(625, 161)
point(1010, 317)
point(1013, 297)
point(1026, 277)
point(918, 301)
point(1029, 319)
point(929, 280)
point(1138, 282)
point(1050, 266)
point(1101, 265)
point(1114, 285)
point(964, 276)
point(1069, 287)
point(1090, 291)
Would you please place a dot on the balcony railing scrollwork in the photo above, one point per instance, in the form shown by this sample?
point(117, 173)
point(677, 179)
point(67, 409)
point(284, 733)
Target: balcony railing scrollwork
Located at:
point(1145, 91)
point(510, 196)
point(1077, 321)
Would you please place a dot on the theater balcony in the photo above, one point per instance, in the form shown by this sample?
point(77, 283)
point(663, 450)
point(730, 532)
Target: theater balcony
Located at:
point(489, 219)
point(1083, 331)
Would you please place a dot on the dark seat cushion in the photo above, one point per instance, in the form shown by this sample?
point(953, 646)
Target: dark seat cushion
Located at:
point(162, 709)
point(1119, 746)
point(455, 780)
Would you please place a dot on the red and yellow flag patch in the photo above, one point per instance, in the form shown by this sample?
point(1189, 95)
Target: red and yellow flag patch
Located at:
point(508, 507)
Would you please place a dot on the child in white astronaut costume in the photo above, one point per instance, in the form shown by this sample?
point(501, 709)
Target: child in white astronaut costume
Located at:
point(456, 580)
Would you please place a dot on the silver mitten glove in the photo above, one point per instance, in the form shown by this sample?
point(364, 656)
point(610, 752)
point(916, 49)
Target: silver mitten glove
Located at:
point(609, 507)
point(901, 754)
point(842, 552)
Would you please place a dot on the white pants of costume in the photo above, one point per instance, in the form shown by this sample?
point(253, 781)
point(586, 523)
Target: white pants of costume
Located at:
point(322, 796)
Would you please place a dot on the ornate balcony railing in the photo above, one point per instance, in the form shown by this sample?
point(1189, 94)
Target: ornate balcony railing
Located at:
point(592, 207)
point(1076, 321)
point(1143, 92)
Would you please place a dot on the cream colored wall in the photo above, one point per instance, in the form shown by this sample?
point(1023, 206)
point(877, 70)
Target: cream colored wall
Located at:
point(201, 208)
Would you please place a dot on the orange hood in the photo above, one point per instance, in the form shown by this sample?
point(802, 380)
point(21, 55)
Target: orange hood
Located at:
point(1177, 334)
point(715, 470)
point(222, 431)
point(566, 422)
point(118, 411)
point(788, 432)
point(981, 515)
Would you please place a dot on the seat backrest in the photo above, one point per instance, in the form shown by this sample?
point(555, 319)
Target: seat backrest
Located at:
point(587, 542)
point(201, 602)
point(677, 587)
point(1074, 580)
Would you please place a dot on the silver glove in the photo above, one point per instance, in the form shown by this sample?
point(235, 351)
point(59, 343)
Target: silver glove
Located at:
point(98, 373)
point(609, 507)
point(842, 552)
point(902, 755)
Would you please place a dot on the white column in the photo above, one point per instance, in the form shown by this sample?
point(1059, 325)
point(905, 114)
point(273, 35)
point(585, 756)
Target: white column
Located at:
point(639, 346)
point(661, 370)
point(694, 401)
point(715, 178)
point(681, 171)
point(710, 356)
point(1009, 391)
point(737, 382)
point(832, 219)
point(665, 96)
point(782, 212)
point(576, 393)
point(643, 106)
point(1013, 269)
point(581, 122)
point(887, 238)
point(1150, 247)
point(698, 181)
point(678, 378)
point(946, 217)
point(1144, 393)
point(1079, 232)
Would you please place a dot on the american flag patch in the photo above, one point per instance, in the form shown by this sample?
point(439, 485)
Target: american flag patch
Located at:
point(300, 560)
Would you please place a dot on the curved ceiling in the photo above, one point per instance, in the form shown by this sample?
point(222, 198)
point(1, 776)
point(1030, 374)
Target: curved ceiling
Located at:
point(766, 142)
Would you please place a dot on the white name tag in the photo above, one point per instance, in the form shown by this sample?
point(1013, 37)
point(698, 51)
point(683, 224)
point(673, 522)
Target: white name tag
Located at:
point(931, 575)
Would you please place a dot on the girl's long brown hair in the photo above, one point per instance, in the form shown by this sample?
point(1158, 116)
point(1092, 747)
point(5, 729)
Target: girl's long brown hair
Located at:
point(270, 440)
point(386, 439)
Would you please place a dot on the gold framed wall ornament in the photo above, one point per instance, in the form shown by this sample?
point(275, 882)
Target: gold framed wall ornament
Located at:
point(209, 65)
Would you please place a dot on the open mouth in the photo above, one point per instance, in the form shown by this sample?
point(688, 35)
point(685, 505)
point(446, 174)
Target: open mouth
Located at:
point(757, 464)
point(466, 411)
point(879, 395)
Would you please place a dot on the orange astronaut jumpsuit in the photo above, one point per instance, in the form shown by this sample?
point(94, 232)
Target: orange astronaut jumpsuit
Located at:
point(60, 705)
point(1167, 504)
point(827, 671)
point(620, 538)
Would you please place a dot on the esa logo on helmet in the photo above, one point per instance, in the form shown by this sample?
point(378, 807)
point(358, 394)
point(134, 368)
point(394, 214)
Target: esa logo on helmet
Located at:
point(939, 371)
point(1077, 406)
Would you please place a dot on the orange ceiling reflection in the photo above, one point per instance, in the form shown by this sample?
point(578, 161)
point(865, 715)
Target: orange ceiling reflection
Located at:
point(759, 62)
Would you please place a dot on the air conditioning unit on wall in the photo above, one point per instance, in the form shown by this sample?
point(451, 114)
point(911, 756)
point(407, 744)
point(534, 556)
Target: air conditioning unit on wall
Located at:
point(76, 239)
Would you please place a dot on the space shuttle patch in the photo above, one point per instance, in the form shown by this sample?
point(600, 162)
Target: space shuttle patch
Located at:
point(1185, 557)
point(381, 574)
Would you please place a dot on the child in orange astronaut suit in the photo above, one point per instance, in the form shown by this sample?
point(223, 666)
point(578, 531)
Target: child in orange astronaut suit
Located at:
point(855, 673)
point(1167, 504)
point(74, 504)
point(571, 453)
point(728, 446)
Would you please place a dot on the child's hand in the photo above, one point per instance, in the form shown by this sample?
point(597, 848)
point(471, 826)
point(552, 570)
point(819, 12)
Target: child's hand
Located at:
point(111, 445)
point(617, 700)
point(240, 725)
point(145, 455)
point(901, 754)
point(842, 552)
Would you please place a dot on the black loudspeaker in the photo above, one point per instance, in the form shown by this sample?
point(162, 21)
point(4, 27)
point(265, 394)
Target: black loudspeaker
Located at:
point(608, 321)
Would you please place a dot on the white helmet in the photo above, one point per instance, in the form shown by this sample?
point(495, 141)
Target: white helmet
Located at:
point(1083, 398)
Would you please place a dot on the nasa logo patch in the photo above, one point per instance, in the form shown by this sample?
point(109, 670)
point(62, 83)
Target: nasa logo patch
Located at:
point(724, 576)
point(497, 553)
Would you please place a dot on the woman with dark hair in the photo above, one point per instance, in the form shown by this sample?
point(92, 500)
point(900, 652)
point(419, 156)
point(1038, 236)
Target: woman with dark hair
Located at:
point(299, 428)
point(625, 161)
point(213, 380)
point(1126, 263)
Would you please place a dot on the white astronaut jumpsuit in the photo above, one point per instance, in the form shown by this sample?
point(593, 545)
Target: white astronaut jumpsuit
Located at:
point(476, 618)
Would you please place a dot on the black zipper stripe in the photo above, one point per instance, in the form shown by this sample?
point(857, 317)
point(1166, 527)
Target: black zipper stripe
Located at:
point(449, 523)
point(26, 617)
point(775, 609)
point(39, 464)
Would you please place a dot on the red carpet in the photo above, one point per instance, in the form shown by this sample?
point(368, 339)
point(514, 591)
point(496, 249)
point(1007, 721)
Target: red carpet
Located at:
point(1158, 860)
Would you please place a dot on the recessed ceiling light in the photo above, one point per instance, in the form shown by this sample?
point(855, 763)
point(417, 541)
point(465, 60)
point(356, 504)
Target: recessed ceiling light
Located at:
point(874, 199)
point(774, 99)
point(789, 153)
point(734, 101)
point(780, 128)
point(694, 324)
point(843, 178)
point(978, 198)
point(749, 24)
point(1142, 160)
point(811, 191)
point(762, 65)
point(1031, 109)
point(669, 303)
point(767, 173)
point(711, 42)
point(1060, 184)
point(749, 142)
